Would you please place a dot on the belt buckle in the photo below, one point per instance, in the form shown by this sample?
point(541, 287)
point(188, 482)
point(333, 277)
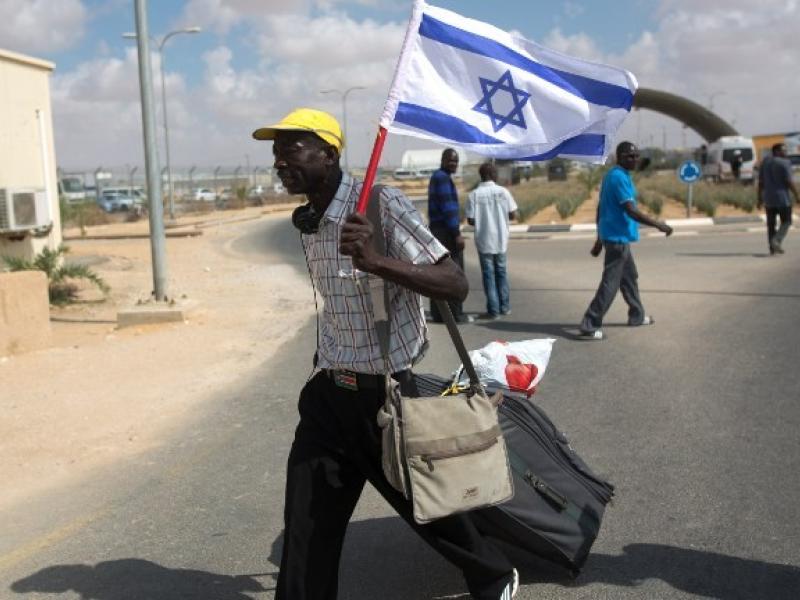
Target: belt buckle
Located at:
point(347, 380)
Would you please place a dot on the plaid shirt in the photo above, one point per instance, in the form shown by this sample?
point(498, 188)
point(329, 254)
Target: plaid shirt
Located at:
point(347, 332)
point(443, 212)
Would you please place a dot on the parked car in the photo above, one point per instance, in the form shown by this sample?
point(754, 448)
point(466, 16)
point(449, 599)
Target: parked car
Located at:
point(112, 201)
point(556, 170)
point(135, 192)
point(255, 195)
point(204, 195)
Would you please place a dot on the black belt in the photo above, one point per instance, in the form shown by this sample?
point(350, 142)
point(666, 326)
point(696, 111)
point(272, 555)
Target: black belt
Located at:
point(362, 381)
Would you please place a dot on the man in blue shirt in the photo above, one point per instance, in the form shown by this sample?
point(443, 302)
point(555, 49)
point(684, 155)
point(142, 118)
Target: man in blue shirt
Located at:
point(774, 184)
point(617, 227)
point(445, 223)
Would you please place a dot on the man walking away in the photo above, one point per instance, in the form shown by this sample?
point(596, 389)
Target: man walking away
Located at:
point(445, 223)
point(617, 228)
point(489, 209)
point(774, 184)
point(337, 443)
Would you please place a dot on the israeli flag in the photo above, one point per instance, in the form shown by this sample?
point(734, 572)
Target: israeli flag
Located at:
point(469, 84)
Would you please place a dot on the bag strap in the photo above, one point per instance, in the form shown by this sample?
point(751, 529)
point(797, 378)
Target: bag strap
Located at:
point(380, 297)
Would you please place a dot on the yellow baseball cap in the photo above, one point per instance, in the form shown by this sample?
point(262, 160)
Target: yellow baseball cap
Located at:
point(306, 119)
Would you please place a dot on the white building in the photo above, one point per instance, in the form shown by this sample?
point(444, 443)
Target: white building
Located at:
point(29, 214)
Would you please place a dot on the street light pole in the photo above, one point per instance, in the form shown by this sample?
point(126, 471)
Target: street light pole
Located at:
point(711, 100)
point(160, 46)
point(344, 117)
point(157, 238)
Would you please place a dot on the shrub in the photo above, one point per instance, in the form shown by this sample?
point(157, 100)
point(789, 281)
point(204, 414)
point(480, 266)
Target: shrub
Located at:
point(534, 196)
point(60, 287)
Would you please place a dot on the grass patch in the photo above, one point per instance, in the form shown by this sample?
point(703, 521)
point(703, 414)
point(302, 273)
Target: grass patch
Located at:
point(534, 196)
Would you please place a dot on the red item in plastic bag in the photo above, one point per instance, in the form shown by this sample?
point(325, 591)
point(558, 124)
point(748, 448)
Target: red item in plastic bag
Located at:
point(520, 375)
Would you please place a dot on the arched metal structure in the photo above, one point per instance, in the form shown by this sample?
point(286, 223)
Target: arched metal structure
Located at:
point(707, 124)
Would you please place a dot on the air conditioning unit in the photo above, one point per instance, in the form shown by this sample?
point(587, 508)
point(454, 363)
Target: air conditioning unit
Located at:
point(23, 209)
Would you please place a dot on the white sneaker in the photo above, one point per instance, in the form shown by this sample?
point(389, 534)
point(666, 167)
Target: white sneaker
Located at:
point(597, 334)
point(511, 588)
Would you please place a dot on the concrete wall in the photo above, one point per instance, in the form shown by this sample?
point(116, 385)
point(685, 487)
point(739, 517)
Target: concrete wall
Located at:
point(27, 152)
point(24, 312)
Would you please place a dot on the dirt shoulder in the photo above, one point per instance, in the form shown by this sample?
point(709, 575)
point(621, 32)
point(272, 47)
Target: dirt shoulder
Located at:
point(100, 393)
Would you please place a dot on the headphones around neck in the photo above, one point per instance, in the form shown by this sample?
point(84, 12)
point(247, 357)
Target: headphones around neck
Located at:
point(306, 219)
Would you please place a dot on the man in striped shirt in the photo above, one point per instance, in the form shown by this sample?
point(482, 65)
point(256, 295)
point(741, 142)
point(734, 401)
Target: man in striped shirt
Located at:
point(337, 444)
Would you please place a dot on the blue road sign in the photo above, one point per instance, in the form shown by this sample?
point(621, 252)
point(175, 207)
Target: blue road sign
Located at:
point(689, 172)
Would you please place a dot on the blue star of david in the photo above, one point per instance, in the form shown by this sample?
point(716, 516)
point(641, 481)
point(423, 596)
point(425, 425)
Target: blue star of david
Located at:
point(519, 97)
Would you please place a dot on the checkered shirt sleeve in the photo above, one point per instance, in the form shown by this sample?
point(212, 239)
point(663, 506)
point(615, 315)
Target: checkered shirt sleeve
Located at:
point(347, 331)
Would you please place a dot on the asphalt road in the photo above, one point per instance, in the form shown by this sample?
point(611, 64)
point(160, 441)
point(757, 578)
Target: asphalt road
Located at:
point(695, 420)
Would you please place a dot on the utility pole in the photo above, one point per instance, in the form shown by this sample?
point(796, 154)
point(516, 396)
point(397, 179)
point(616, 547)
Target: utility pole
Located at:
point(156, 213)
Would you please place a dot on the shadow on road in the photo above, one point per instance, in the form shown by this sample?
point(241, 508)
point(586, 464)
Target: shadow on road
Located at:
point(136, 579)
point(695, 572)
point(724, 254)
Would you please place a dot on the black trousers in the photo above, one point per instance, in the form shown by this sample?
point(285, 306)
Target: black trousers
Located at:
point(773, 212)
point(619, 273)
point(336, 449)
point(448, 240)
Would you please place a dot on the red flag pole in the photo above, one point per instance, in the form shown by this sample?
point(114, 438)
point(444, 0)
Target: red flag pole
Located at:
point(372, 168)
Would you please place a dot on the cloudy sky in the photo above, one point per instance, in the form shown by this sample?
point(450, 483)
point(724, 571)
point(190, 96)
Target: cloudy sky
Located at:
point(256, 59)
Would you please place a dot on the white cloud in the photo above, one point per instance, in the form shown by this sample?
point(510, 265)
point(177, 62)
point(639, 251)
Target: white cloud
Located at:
point(41, 26)
point(737, 51)
point(695, 50)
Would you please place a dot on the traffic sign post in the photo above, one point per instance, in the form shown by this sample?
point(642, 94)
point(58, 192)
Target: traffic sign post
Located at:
point(689, 172)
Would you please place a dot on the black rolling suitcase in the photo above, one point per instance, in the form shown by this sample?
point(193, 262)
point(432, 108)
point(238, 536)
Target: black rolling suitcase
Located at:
point(558, 501)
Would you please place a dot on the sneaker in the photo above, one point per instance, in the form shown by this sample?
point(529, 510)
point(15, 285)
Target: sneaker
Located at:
point(648, 320)
point(597, 334)
point(465, 318)
point(505, 313)
point(489, 316)
point(511, 588)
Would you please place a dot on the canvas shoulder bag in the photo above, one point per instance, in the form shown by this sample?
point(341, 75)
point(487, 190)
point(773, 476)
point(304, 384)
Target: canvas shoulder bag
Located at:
point(445, 453)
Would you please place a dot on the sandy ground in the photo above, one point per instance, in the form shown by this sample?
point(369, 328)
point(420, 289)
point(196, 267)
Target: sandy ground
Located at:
point(102, 393)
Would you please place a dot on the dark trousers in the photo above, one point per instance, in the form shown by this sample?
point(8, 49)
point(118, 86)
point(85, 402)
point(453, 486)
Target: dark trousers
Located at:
point(448, 240)
point(336, 449)
point(776, 237)
point(619, 273)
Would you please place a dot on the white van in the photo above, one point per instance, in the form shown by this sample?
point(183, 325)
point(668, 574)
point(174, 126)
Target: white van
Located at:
point(722, 151)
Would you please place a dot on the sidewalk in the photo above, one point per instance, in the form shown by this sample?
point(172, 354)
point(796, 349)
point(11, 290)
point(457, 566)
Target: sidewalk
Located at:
point(100, 393)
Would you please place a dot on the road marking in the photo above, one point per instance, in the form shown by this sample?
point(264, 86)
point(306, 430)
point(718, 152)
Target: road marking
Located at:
point(54, 537)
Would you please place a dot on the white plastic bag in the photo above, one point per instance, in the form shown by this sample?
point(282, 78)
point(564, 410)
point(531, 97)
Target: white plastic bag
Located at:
point(515, 366)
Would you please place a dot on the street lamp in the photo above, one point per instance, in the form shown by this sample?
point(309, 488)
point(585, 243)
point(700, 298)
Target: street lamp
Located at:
point(344, 116)
point(711, 100)
point(160, 45)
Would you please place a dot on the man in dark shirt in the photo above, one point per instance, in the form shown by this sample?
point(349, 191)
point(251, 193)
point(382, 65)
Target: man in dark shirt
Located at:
point(445, 222)
point(774, 184)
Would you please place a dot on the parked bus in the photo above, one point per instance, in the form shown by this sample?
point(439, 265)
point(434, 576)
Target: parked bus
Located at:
point(72, 188)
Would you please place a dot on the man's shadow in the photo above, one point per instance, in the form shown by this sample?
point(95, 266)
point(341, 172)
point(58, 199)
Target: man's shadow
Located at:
point(417, 572)
point(137, 579)
point(384, 559)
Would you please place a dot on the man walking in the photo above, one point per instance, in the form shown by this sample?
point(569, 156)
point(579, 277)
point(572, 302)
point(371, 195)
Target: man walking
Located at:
point(774, 184)
point(489, 209)
point(337, 443)
point(617, 229)
point(445, 223)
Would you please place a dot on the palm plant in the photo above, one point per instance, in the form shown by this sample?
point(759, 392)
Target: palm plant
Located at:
point(60, 275)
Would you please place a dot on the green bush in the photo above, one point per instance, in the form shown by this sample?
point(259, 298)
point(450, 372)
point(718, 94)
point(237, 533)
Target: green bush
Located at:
point(61, 290)
point(534, 196)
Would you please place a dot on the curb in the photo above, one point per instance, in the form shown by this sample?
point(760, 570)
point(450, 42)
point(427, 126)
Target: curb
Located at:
point(131, 236)
point(678, 223)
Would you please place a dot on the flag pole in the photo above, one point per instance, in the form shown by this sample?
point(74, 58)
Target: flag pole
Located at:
point(372, 168)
